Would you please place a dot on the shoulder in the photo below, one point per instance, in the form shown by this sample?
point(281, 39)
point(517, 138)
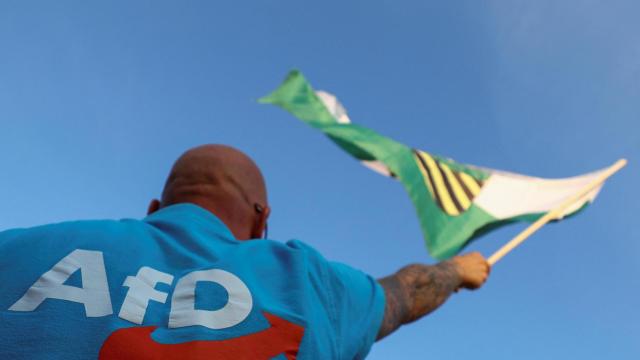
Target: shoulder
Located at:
point(302, 247)
point(317, 264)
point(83, 231)
point(75, 225)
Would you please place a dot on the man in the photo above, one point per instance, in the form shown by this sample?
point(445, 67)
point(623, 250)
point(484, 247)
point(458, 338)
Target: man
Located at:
point(186, 282)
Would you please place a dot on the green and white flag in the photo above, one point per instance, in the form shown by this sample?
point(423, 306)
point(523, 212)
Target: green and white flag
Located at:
point(455, 202)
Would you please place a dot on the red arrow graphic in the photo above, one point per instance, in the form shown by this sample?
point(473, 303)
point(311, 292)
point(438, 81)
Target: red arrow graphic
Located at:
point(283, 337)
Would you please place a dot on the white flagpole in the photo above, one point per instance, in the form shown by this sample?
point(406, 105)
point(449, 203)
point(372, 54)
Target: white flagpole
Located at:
point(555, 213)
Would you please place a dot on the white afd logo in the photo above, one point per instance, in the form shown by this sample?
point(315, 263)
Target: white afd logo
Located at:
point(96, 298)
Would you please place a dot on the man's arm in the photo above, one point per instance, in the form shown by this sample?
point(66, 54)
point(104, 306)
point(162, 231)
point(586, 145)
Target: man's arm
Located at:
point(416, 290)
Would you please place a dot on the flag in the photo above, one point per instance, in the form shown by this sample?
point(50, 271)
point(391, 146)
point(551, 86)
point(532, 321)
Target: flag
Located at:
point(455, 202)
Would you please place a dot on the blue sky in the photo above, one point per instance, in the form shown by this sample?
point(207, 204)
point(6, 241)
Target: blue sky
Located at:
point(98, 99)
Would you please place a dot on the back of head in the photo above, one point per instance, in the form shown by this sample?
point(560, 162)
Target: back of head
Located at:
point(224, 181)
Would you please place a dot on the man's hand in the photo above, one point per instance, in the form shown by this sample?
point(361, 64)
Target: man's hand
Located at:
point(416, 290)
point(473, 270)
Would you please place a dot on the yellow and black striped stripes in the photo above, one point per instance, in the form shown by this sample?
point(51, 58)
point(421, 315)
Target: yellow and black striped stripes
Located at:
point(453, 190)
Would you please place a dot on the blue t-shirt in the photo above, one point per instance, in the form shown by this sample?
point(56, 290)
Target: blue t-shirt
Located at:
point(177, 285)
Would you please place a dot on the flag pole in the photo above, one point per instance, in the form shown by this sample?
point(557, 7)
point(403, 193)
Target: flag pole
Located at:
point(555, 213)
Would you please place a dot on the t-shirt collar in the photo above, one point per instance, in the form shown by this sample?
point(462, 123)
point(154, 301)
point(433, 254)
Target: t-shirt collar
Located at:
point(194, 213)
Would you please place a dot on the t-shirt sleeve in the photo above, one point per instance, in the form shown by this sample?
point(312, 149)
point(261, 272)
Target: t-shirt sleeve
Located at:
point(355, 300)
point(359, 303)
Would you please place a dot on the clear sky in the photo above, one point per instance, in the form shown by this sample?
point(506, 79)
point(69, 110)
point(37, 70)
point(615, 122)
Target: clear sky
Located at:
point(97, 99)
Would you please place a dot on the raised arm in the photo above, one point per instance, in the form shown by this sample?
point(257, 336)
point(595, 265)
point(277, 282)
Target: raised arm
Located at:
point(416, 290)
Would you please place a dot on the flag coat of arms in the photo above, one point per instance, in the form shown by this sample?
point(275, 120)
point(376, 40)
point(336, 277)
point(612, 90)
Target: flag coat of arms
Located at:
point(455, 202)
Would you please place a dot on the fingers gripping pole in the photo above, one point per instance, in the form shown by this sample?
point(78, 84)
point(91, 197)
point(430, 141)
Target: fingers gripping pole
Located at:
point(555, 213)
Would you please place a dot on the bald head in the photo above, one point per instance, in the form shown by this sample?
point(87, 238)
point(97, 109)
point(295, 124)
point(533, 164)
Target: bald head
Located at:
point(224, 181)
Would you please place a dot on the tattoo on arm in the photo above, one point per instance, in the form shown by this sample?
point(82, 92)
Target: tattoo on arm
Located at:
point(414, 291)
point(396, 306)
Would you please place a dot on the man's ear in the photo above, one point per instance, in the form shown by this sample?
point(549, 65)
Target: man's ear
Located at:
point(154, 206)
point(260, 225)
